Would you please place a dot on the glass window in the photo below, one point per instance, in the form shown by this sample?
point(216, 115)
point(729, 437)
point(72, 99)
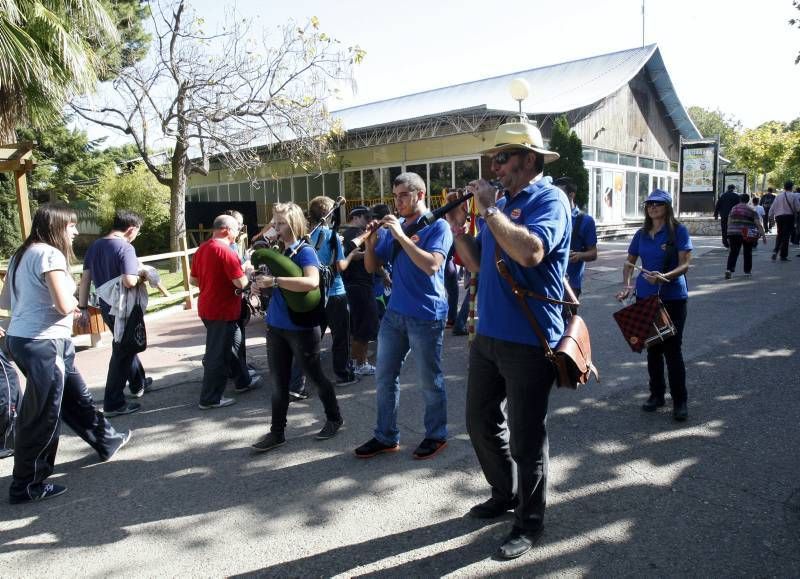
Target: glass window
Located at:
point(352, 185)
point(421, 170)
point(441, 175)
point(631, 206)
point(285, 190)
point(388, 175)
point(465, 172)
point(645, 162)
point(314, 186)
point(222, 192)
point(673, 166)
point(661, 165)
point(300, 191)
point(331, 184)
point(589, 154)
point(270, 192)
point(629, 160)
point(372, 186)
point(598, 193)
point(644, 187)
point(607, 157)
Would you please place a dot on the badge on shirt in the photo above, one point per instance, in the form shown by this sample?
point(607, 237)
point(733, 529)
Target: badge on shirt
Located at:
point(415, 239)
point(663, 247)
point(515, 213)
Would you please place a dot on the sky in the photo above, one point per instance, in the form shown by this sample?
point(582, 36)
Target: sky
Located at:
point(729, 55)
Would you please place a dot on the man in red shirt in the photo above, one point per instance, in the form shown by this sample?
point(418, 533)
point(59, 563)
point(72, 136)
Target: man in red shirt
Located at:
point(217, 271)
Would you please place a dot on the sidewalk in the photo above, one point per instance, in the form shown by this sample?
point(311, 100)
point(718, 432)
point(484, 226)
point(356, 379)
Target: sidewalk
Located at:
point(630, 494)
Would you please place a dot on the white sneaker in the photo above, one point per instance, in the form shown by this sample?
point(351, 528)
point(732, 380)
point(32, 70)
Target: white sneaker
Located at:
point(223, 402)
point(365, 369)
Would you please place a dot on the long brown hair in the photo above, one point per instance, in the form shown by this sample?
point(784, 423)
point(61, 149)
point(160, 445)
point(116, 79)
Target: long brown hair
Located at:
point(672, 222)
point(49, 226)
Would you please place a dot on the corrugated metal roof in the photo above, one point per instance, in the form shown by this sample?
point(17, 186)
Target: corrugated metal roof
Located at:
point(554, 89)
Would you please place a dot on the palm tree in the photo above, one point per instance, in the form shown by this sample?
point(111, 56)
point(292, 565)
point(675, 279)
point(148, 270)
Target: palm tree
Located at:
point(48, 53)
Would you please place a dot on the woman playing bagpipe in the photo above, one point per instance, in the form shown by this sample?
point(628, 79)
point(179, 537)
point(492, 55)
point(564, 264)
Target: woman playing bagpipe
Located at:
point(292, 328)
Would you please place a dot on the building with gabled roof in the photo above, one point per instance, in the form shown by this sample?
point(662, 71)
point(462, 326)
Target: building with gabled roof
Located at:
point(622, 105)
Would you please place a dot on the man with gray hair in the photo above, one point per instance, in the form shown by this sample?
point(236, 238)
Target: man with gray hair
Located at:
point(414, 319)
point(217, 271)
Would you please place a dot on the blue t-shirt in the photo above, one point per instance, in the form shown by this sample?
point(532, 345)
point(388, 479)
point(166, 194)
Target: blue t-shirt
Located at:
point(108, 258)
point(414, 293)
point(583, 240)
point(278, 312)
point(545, 211)
point(651, 251)
point(322, 239)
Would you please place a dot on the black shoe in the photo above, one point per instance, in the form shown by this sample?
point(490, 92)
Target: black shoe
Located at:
point(126, 409)
point(518, 542)
point(301, 395)
point(122, 442)
point(459, 332)
point(329, 430)
point(48, 491)
point(347, 380)
point(774, 256)
point(269, 441)
point(491, 509)
point(785, 259)
point(429, 448)
point(653, 403)
point(148, 383)
point(6, 452)
point(374, 447)
point(680, 411)
point(255, 382)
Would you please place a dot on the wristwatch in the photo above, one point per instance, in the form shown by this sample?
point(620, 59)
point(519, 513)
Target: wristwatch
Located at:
point(491, 210)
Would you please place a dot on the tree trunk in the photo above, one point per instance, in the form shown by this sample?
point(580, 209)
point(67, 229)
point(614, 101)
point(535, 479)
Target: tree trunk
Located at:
point(177, 220)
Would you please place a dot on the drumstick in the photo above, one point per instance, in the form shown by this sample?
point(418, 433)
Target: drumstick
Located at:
point(658, 274)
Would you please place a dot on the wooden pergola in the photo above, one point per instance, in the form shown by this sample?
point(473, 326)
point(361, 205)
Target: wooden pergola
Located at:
point(17, 158)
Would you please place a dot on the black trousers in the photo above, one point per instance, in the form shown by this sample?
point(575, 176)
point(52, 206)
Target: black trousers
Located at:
point(238, 366)
point(337, 318)
point(669, 351)
point(223, 341)
point(123, 368)
point(785, 224)
point(9, 400)
point(301, 345)
point(55, 391)
point(737, 243)
point(724, 224)
point(511, 444)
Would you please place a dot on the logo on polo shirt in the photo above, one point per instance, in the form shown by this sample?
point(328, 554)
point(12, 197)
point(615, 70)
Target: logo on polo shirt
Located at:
point(515, 213)
point(663, 247)
point(415, 238)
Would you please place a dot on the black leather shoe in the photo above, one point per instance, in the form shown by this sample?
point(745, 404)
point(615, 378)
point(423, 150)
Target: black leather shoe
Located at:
point(680, 411)
point(491, 509)
point(518, 543)
point(653, 403)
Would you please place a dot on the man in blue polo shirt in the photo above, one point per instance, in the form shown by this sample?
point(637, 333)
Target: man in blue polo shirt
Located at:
point(528, 228)
point(414, 319)
point(583, 242)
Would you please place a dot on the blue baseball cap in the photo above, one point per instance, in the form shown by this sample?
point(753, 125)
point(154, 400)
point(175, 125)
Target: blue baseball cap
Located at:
point(659, 196)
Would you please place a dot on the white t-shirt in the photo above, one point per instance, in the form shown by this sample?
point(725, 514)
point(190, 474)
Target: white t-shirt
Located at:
point(33, 314)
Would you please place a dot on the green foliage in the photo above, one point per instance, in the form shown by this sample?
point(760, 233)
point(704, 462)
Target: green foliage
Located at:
point(128, 16)
point(10, 237)
point(762, 150)
point(139, 191)
point(796, 22)
point(716, 123)
point(69, 165)
point(566, 143)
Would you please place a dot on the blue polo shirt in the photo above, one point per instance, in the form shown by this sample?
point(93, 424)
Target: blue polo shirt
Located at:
point(322, 238)
point(581, 240)
point(278, 312)
point(651, 251)
point(544, 209)
point(414, 293)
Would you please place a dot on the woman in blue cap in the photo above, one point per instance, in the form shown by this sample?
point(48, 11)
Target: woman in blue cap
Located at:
point(664, 247)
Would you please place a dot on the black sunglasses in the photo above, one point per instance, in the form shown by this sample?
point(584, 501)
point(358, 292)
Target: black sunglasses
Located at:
point(502, 157)
point(654, 204)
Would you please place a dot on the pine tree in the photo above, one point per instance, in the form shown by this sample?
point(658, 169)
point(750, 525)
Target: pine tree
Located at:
point(566, 143)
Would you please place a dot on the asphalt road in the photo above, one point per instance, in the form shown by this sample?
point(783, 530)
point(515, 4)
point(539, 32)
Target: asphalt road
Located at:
point(631, 494)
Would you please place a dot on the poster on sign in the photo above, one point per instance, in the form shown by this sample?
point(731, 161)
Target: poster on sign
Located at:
point(738, 180)
point(698, 167)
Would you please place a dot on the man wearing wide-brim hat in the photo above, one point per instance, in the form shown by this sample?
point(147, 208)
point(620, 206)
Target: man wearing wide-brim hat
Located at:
point(529, 228)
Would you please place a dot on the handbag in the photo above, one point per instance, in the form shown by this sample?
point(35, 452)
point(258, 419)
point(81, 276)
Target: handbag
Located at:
point(93, 324)
point(645, 323)
point(750, 233)
point(134, 338)
point(572, 357)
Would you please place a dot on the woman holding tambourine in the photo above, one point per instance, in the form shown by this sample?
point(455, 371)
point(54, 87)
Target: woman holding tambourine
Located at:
point(289, 336)
point(664, 247)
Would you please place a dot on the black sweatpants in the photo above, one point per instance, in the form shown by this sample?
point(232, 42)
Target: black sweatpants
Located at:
point(55, 391)
point(737, 243)
point(785, 224)
point(669, 351)
point(123, 368)
point(223, 342)
point(9, 401)
point(337, 318)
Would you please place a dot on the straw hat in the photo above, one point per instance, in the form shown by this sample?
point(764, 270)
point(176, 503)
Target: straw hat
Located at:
point(520, 136)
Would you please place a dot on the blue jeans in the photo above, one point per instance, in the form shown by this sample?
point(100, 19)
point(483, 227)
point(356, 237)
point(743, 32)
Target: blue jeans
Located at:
point(397, 336)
